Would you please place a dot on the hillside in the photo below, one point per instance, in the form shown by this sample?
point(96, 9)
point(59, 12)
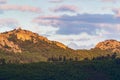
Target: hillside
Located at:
point(14, 41)
point(104, 48)
point(110, 45)
point(25, 46)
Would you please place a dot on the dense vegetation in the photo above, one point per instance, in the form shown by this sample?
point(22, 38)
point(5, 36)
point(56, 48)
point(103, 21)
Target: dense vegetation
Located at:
point(107, 69)
point(51, 55)
point(22, 46)
point(33, 57)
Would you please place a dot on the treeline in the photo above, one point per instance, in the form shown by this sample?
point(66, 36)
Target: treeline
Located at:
point(108, 57)
point(113, 56)
point(62, 59)
point(4, 61)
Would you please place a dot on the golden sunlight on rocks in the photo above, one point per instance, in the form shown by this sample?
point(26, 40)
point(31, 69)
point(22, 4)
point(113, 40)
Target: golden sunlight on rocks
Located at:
point(60, 44)
point(12, 40)
point(113, 45)
point(23, 36)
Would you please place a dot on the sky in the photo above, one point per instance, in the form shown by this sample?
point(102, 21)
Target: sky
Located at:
point(79, 24)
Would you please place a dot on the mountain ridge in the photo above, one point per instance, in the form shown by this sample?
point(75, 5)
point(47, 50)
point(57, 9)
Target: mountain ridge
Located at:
point(24, 46)
point(8, 39)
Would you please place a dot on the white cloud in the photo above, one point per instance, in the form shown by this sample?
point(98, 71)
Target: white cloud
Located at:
point(82, 40)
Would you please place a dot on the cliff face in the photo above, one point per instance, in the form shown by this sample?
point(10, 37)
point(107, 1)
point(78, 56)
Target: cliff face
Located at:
point(112, 45)
point(16, 40)
point(7, 45)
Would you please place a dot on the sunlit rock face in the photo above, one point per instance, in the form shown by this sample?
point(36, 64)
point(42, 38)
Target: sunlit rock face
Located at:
point(11, 40)
point(112, 45)
point(59, 44)
point(7, 45)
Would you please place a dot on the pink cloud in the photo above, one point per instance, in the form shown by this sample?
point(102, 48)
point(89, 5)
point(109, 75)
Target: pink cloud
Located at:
point(55, 1)
point(3, 1)
point(20, 8)
point(117, 12)
point(47, 17)
point(64, 8)
point(46, 20)
point(8, 22)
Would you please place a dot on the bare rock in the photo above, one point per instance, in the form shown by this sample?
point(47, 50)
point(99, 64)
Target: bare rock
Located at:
point(112, 45)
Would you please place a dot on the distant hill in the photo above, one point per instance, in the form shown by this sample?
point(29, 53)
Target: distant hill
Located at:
point(26, 46)
point(110, 45)
point(17, 40)
point(23, 46)
point(104, 48)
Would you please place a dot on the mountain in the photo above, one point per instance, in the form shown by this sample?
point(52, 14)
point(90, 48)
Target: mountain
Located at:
point(105, 48)
point(25, 46)
point(16, 40)
point(109, 45)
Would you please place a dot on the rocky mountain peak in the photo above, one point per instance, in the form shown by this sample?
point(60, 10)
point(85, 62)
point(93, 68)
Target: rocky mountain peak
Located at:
point(112, 45)
point(14, 40)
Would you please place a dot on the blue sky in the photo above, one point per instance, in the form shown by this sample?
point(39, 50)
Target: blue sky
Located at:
point(80, 24)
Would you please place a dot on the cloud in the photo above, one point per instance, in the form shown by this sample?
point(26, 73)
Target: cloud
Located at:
point(20, 8)
point(76, 28)
point(8, 23)
point(82, 31)
point(79, 23)
point(1, 12)
point(55, 1)
point(109, 1)
point(109, 29)
point(117, 12)
point(85, 30)
point(75, 46)
point(82, 18)
point(66, 8)
point(42, 30)
point(82, 40)
point(3, 1)
point(46, 20)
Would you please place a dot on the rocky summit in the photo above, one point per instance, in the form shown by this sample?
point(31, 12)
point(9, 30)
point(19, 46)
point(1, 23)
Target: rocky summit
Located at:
point(112, 45)
point(23, 46)
point(19, 40)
